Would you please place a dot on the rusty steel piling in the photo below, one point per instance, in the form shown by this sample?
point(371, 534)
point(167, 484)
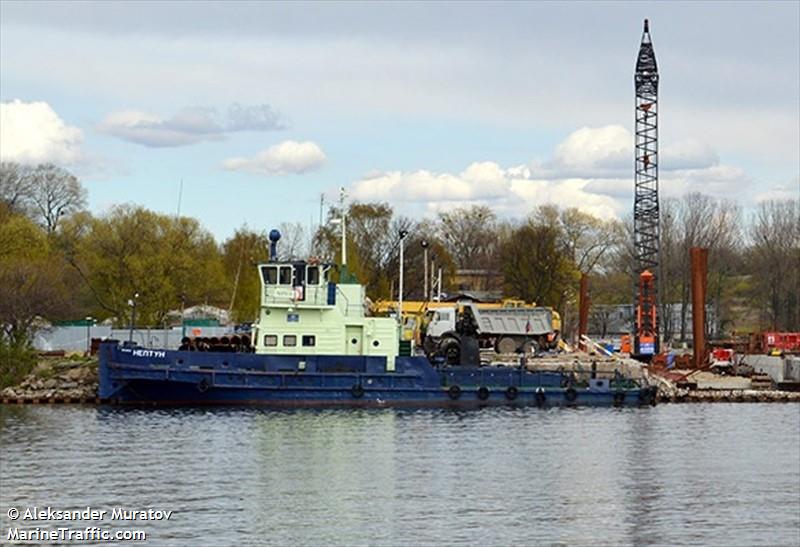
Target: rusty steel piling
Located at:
point(699, 259)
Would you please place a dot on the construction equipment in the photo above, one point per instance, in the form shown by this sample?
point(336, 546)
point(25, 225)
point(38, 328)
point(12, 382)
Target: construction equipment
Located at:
point(645, 204)
point(506, 330)
point(646, 335)
point(417, 314)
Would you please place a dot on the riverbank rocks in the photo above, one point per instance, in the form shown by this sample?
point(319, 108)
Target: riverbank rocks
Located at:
point(56, 380)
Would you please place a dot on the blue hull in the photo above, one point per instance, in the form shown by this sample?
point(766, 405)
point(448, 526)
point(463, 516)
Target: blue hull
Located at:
point(142, 376)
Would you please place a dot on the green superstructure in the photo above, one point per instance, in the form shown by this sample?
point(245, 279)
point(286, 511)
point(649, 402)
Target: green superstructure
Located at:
point(303, 312)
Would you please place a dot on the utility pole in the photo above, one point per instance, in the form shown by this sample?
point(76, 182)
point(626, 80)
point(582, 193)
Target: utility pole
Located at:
point(89, 321)
point(403, 234)
point(132, 303)
point(645, 204)
point(180, 198)
point(425, 261)
point(344, 226)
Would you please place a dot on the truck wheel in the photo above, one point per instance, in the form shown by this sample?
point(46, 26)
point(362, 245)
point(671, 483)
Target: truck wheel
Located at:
point(506, 345)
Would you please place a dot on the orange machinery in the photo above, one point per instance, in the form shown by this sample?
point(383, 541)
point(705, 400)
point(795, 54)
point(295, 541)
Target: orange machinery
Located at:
point(645, 341)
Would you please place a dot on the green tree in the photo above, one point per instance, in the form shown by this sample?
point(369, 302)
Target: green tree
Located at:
point(166, 260)
point(240, 254)
point(370, 241)
point(32, 290)
point(535, 266)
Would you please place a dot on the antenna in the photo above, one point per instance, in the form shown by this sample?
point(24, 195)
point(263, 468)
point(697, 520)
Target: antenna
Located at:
point(342, 196)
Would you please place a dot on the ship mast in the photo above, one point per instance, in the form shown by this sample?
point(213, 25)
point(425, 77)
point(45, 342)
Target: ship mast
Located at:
point(342, 196)
point(645, 205)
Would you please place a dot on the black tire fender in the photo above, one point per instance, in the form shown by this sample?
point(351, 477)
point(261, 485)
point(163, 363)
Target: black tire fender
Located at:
point(540, 397)
point(450, 349)
point(357, 391)
point(454, 392)
point(511, 393)
point(203, 385)
point(570, 394)
point(483, 393)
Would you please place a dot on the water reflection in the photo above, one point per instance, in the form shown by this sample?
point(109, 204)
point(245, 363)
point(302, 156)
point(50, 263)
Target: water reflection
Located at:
point(708, 474)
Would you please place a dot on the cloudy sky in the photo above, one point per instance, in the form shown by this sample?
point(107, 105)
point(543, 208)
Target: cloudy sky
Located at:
point(259, 108)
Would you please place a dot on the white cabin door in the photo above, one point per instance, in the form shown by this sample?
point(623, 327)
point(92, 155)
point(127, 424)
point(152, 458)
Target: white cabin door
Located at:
point(353, 337)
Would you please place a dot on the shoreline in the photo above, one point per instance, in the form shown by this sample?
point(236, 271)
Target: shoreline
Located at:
point(74, 380)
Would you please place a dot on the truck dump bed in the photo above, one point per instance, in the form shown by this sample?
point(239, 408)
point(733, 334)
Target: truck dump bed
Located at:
point(511, 321)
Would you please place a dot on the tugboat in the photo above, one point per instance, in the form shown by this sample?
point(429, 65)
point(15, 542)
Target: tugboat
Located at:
point(313, 345)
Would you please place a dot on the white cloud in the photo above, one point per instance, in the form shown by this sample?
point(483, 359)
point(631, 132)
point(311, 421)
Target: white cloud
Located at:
point(726, 181)
point(189, 125)
point(288, 157)
point(33, 133)
point(688, 154)
point(593, 149)
point(513, 190)
point(592, 169)
point(479, 181)
point(790, 190)
point(592, 152)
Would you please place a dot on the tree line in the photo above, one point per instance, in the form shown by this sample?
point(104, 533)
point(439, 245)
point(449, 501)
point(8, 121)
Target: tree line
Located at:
point(59, 261)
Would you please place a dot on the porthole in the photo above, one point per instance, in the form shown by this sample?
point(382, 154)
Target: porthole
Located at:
point(354, 341)
point(376, 343)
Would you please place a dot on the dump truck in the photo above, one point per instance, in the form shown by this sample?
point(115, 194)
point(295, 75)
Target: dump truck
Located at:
point(450, 330)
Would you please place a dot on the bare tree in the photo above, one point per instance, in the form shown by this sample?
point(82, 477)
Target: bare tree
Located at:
point(775, 262)
point(55, 192)
point(695, 214)
point(15, 186)
point(587, 239)
point(469, 235)
point(295, 242)
point(29, 290)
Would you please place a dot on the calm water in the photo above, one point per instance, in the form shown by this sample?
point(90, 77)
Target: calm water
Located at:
point(720, 474)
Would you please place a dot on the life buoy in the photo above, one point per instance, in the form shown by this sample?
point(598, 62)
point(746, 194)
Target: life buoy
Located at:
point(570, 394)
point(540, 397)
point(483, 393)
point(357, 391)
point(511, 393)
point(454, 392)
point(203, 385)
point(619, 398)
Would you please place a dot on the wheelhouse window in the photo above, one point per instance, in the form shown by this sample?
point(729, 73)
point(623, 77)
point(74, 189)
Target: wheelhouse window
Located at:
point(312, 275)
point(309, 340)
point(285, 275)
point(289, 340)
point(270, 275)
point(270, 340)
